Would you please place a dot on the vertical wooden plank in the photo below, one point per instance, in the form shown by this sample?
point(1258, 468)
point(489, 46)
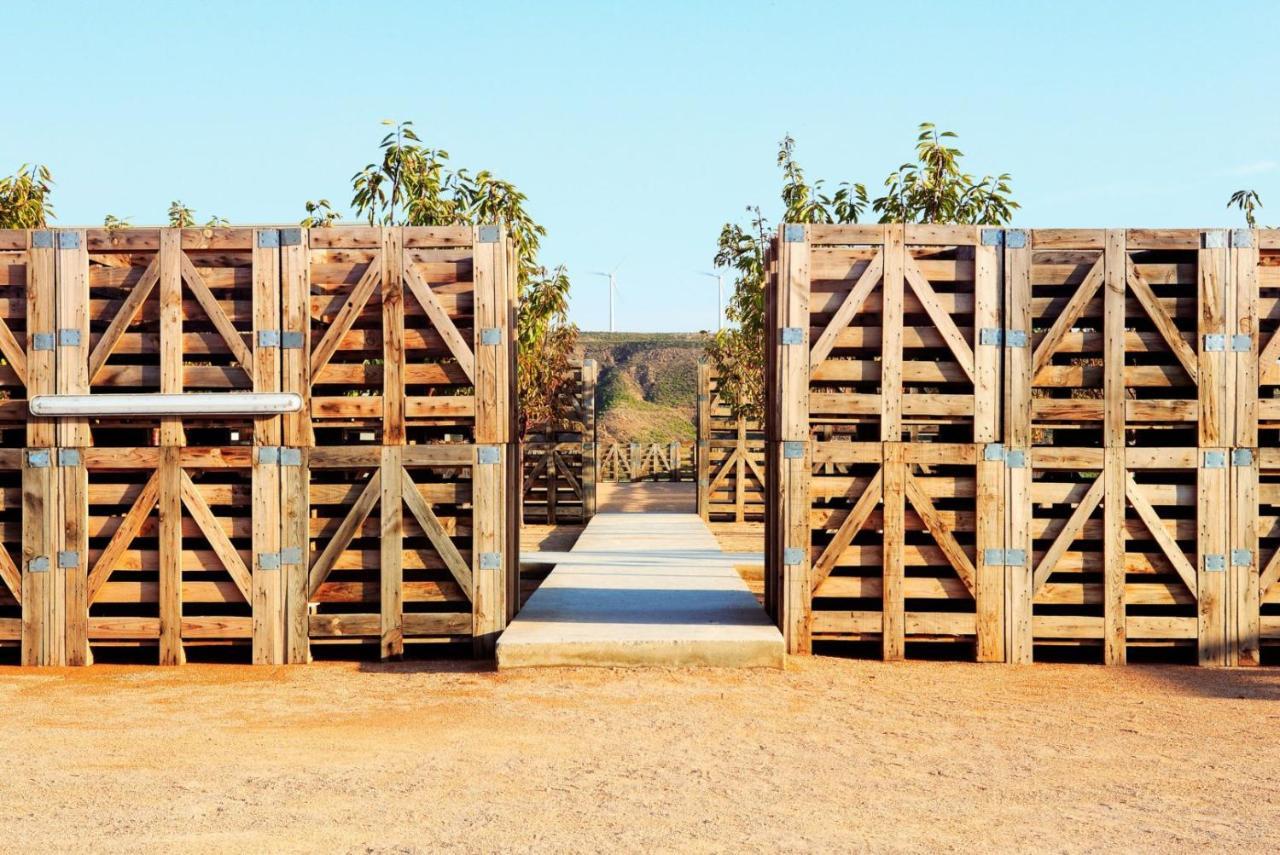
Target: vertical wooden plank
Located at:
point(73, 502)
point(39, 548)
point(703, 477)
point(589, 452)
point(796, 557)
point(169, 545)
point(41, 319)
point(1017, 287)
point(1114, 278)
point(489, 266)
point(1244, 628)
point(1244, 271)
point(392, 555)
point(636, 458)
point(1215, 414)
point(393, 404)
point(1113, 578)
point(986, 386)
point(1213, 557)
point(514, 518)
point(1018, 585)
point(488, 557)
point(990, 584)
point(793, 354)
point(891, 335)
point(295, 311)
point(170, 290)
point(295, 486)
point(268, 585)
point(72, 357)
point(740, 474)
point(893, 603)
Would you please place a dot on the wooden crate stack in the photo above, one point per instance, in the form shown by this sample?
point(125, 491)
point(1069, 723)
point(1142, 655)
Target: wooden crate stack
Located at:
point(559, 461)
point(730, 457)
point(1103, 493)
point(254, 532)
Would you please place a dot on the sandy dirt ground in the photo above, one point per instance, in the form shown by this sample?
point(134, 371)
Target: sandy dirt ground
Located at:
point(829, 755)
point(647, 497)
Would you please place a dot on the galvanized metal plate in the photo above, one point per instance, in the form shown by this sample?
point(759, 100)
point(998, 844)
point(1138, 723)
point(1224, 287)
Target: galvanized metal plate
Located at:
point(1015, 238)
point(291, 340)
point(1214, 239)
point(38, 458)
point(68, 338)
point(269, 560)
point(793, 233)
point(42, 239)
point(291, 556)
point(68, 240)
point(290, 456)
point(993, 451)
point(42, 341)
point(1215, 459)
point(1241, 238)
point(291, 237)
point(1215, 343)
point(488, 454)
point(991, 336)
point(491, 335)
point(1017, 338)
point(68, 560)
point(992, 237)
point(488, 234)
point(793, 449)
point(268, 239)
point(38, 564)
point(490, 560)
point(268, 338)
point(1241, 457)
point(1215, 563)
point(792, 335)
point(1241, 343)
point(68, 457)
point(793, 555)
point(1241, 558)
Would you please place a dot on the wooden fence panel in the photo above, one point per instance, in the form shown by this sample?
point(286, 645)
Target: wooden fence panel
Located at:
point(559, 460)
point(731, 458)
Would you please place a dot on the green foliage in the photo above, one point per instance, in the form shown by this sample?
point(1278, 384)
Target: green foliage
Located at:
point(933, 189)
point(24, 198)
point(112, 223)
point(319, 215)
point(216, 222)
point(181, 216)
point(1249, 202)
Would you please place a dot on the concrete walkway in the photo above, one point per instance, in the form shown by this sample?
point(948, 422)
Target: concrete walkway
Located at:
point(642, 589)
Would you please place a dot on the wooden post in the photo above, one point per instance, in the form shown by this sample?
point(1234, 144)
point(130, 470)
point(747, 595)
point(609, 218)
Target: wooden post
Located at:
point(891, 334)
point(170, 289)
point(41, 320)
point(41, 634)
point(1244, 312)
point(893, 603)
point(392, 553)
point(1113, 555)
point(703, 453)
point(1216, 430)
point(986, 314)
point(1114, 276)
point(170, 549)
point(268, 586)
point(73, 552)
point(298, 436)
point(636, 456)
point(1017, 432)
point(393, 403)
point(1244, 627)
point(990, 582)
point(1213, 554)
point(589, 453)
point(72, 505)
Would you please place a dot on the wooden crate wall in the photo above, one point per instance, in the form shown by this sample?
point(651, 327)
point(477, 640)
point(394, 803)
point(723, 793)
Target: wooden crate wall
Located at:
point(627, 462)
point(11, 555)
point(560, 460)
point(730, 457)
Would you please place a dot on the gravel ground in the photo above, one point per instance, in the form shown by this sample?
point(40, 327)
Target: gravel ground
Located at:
point(831, 754)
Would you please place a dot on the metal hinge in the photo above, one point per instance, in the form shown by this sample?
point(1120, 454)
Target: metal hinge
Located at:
point(1241, 343)
point(1215, 460)
point(1004, 557)
point(1241, 238)
point(991, 336)
point(793, 233)
point(268, 338)
point(268, 239)
point(69, 560)
point(1015, 238)
point(68, 338)
point(1214, 239)
point(992, 237)
point(488, 454)
point(42, 239)
point(1215, 563)
point(291, 237)
point(38, 458)
point(792, 335)
point(793, 555)
point(68, 457)
point(1241, 557)
point(490, 560)
point(1016, 338)
point(1215, 343)
point(1014, 458)
point(269, 454)
point(488, 234)
point(279, 454)
point(290, 456)
point(38, 564)
point(68, 240)
point(287, 340)
point(491, 335)
point(793, 449)
point(291, 556)
point(43, 341)
point(269, 560)
point(1241, 457)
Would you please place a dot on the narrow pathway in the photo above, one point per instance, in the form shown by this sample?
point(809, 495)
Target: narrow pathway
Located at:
point(642, 589)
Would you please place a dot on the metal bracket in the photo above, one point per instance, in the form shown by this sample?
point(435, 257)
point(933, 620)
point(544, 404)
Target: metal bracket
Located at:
point(1016, 338)
point(291, 237)
point(793, 233)
point(793, 555)
point(268, 338)
point(291, 340)
point(491, 335)
point(993, 336)
point(1015, 238)
point(42, 239)
point(1241, 238)
point(38, 564)
point(488, 234)
point(1214, 239)
point(269, 454)
point(38, 458)
point(68, 240)
point(490, 560)
point(488, 454)
point(291, 556)
point(290, 456)
point(1215, 563)
point(1215, 460)
point(792, 335)
point(68, 457)
point(268, 239)
point(1241, 457)
point(793, 449)
point(702, 399)
point(1014, 458)
point(269, 560)
point(1241, 343)
point(68, 338)
point(1215, 343)
point(992, 237)
point(993, 451)
point(1241, 557)
point(42, 341)
point(1004, 557)
point(68, 560)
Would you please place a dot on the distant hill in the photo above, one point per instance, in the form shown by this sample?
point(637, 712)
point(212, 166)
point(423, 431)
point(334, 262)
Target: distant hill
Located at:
point(648, 386)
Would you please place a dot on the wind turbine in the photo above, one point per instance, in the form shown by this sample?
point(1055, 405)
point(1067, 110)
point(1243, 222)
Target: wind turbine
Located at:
point(720, 302)
point(612, 276)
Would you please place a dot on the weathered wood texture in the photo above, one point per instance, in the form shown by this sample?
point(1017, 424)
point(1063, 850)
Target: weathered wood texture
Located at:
point(560, 460)
point(730, 457)
point(259, 533)
point(652, 461)
point(1083, 412)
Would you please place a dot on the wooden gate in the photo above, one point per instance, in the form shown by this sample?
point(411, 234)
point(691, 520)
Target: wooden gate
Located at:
point(560, 460)
point(730, 455)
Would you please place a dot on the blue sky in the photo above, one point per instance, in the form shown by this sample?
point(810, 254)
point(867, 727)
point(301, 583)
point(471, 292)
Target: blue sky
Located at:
point(637, 132)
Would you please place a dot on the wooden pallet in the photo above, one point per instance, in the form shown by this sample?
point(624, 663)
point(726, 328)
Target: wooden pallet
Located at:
point(11, 555)
point(730, 458)
point(560, 460)
point(654, 461)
